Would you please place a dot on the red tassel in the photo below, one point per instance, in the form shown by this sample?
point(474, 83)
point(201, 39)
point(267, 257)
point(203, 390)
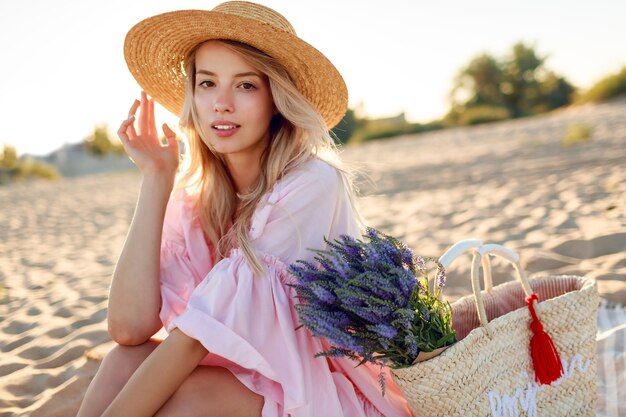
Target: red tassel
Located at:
point(546, 359)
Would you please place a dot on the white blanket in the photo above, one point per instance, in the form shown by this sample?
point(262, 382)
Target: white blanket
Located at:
point(611, 360)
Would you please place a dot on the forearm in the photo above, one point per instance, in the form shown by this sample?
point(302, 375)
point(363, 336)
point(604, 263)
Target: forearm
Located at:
point(158, 377)
point(134, 299)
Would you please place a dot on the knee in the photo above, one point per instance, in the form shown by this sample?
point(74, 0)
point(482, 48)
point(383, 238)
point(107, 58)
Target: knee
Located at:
point(122, 361)
point(213, 391)
point(115, 370)
point(193, 395)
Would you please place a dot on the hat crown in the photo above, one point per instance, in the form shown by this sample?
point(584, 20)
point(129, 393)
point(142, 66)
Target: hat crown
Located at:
point(257, 12)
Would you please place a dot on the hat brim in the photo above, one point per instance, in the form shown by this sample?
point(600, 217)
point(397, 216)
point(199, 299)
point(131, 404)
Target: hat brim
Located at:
point(155, 50)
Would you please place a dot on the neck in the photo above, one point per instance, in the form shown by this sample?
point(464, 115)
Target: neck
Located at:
point(244, 171)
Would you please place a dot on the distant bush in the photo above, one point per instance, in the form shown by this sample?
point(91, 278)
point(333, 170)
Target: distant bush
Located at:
point(518, 82)
point(100, 143)
point(381, 133)
point(406, 129)
point(482, 114)
point(345, 129)
point(12, 168)
point(424, 127)
point(8, 164)
point(8, 158)
point(34, 168)
point(609, 87)
point(578, 133)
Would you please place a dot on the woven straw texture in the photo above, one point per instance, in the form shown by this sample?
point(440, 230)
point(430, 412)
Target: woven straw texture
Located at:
point(488, 372)
point(156, 48)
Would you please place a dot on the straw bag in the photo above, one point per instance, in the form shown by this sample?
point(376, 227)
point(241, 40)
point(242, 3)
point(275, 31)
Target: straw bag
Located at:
point(490, 371)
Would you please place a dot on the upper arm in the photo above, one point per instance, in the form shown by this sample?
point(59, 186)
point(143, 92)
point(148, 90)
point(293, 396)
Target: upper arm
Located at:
point(186, 257)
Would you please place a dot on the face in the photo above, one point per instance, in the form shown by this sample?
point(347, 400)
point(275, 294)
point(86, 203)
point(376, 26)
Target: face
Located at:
point(233, 102)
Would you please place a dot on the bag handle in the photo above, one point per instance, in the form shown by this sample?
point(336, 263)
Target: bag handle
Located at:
point(458, 249)
point(545, 357)
point(480, 254)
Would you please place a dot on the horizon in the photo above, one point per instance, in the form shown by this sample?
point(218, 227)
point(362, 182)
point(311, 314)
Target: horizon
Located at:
point(412, 55)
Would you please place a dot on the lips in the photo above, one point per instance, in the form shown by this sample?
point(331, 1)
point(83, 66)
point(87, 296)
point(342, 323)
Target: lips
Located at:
point(224, 128)
point(224, 125)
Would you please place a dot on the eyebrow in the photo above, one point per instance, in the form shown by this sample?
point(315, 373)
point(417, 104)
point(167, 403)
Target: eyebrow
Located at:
point(242, 74)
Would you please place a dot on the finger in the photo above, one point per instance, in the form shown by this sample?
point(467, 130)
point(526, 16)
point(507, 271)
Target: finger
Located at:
point(130, 129)
point(151, 121)
point(122, 131)
point(169, 133)
point(170, 136)
point(143, 114)
point(133, 108)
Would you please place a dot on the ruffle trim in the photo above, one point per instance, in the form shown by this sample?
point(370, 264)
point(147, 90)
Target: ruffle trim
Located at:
point(280, 267)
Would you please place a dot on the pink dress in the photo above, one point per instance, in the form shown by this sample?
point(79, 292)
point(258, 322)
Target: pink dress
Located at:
point(247, 322)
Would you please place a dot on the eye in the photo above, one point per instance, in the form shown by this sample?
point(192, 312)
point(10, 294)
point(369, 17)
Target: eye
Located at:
point(247, 86)
point(206, 83)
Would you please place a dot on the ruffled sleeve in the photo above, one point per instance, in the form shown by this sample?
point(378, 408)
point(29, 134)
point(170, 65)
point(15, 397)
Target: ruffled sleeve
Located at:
point(186, 257)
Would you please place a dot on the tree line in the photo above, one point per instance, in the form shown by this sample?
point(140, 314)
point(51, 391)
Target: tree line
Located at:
point(489, 89)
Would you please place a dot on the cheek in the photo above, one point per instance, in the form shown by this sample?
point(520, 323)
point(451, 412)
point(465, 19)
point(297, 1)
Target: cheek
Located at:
point(204, 101)
point(198, 107)
point(198, 101)
point(256, 109)
point(268, 107)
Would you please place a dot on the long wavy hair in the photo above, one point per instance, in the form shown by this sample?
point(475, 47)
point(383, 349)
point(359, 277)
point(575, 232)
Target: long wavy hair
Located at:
point(297, 134)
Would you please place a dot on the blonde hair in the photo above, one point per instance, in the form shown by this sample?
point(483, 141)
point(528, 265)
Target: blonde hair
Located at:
point(297, 134)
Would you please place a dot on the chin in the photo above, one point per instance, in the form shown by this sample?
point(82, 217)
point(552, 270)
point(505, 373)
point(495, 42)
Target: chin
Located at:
point(224, 150)
point(217, 147)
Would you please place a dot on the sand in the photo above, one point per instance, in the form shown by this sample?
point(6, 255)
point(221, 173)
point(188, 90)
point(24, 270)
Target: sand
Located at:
point(514, 183)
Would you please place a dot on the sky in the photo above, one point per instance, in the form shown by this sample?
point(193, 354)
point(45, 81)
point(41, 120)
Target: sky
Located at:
point(63, 71)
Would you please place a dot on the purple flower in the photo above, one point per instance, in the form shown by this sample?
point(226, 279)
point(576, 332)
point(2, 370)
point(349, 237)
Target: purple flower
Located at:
point(323, 294)
point(441, 278)
point(341, 266)
point(383, 330)
point(372, 233)
point(407, 256)
point(406, 282)
point(420, 264)
point(381, 380)
point(351, 246)
point(411, 344)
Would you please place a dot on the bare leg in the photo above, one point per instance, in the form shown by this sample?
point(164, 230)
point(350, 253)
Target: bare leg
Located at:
point(212, 391)
point(115, 370)
point(208, 391)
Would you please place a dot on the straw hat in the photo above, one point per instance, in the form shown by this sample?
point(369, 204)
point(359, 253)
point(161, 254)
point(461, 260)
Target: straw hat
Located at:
point(156, 48)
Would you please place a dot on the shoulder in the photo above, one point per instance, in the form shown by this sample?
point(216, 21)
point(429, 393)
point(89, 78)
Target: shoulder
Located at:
point(316, 168)
point(311, 189)
point(314, 176)
point(306, 205)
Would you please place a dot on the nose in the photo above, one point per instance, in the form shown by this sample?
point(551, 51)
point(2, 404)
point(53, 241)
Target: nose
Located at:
point(223, 102)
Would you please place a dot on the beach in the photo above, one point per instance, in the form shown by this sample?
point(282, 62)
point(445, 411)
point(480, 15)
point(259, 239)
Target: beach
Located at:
point(562, 207)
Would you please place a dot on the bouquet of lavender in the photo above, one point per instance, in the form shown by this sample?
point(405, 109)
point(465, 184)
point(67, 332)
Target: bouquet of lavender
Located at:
point(372, 302)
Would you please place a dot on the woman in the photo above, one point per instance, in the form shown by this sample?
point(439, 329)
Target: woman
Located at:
point(209, 261)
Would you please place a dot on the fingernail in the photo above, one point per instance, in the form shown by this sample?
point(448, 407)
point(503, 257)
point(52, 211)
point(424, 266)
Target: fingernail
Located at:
point(131, 117)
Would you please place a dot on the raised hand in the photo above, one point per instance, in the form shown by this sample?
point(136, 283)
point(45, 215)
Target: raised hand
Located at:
point(143, 145)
